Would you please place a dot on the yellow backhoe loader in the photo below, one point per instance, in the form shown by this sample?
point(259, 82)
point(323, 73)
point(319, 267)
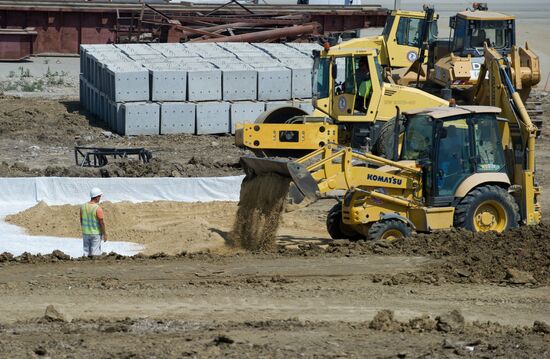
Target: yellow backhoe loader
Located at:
point(471, 167)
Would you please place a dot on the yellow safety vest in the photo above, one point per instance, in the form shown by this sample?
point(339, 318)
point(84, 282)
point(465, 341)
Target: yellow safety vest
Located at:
point(90, 223)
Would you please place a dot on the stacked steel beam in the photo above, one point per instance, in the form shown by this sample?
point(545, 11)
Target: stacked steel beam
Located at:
point(199, 88)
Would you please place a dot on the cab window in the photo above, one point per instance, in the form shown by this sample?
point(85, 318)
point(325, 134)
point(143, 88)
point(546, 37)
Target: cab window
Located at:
point(459, 34)
point(387, 27)
point(495, 37)
point(409, 32)
point(488, 145)
point(453, 157)
point(321, 77)
point(350, 86)
point(417, 143)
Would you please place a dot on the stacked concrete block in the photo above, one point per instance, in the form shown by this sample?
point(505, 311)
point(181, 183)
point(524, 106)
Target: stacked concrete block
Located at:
point(212, 118)
point(272, 105)
point(204, 83)
point(301, 76)
point(245, 112)
point(126, 82)
point(305, 105)
point(115, 120)
point(167, 82)
point(241, 48)
point(209, 50)
point(136, 51)
point(305, 48)
point(97, 63)
point(193, 87)
point(172, 51)
point(139, 118)
point(274, 83)
point(177, 117)
point(280, 51)
point(239, 82)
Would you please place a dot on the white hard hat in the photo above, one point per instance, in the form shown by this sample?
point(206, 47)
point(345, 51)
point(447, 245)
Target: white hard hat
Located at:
point(95, 192)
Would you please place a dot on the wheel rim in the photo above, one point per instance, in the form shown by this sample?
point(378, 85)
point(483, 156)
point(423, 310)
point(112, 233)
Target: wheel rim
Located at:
point(490, 216)
point(391, 235)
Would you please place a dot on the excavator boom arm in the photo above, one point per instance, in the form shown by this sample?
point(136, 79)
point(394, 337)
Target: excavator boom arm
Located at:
point(498, 90)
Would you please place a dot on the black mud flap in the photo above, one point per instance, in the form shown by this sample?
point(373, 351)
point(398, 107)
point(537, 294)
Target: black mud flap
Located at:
point(304, 185)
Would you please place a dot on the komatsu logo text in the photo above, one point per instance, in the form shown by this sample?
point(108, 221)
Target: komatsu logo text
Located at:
point(384, 179)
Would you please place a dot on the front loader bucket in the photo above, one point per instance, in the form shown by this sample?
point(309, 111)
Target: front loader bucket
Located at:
point(304, 184)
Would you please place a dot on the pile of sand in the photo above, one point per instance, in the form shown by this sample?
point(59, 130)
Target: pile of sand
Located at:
point(169, 227)
point(261, 203)
point(173, 227)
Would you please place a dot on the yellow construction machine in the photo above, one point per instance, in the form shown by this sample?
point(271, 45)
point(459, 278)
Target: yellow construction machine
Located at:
point(341, 114)
point(401, 39)
point(410, 38)
point(454, 64)
point(471, 167)
point(406, 54)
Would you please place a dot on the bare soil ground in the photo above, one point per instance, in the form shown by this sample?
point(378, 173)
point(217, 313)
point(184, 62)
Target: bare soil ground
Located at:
point(311, 297)
point(37, 138)
point(260, 305)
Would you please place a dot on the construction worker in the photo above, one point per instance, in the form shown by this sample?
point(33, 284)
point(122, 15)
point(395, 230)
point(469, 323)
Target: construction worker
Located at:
point(92, 223)
point(364, 85)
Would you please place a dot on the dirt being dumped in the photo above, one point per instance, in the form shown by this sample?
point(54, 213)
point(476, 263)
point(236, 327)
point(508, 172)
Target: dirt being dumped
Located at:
point(261, 203)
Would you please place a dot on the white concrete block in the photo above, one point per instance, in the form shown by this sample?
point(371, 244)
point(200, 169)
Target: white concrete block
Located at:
point(168, 84)
point(140, 118)
point(274, 83)
point(239, 82)
point(127, 82)
point(177, 117)
point(212, 117)
point(305, 105)
point(245, 112)
point(271, 105)
point(204, 85)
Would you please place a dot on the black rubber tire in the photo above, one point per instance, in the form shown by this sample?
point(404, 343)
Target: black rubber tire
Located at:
point(336, 228)
point(464, 211)
point(383, 144)
point(379, 228)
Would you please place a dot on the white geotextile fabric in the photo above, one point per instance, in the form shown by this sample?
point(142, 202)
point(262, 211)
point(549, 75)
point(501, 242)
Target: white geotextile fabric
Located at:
point(68, 190)
point(14, 240)
point(21, 193)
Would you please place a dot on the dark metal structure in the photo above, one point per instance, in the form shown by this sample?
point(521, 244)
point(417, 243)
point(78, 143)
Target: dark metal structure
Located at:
point(40, 27)
point(98, 156)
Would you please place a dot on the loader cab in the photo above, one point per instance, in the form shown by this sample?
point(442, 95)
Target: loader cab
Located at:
point(471, 30)
point(403, 36)
point(347, 85)
point(452, 145)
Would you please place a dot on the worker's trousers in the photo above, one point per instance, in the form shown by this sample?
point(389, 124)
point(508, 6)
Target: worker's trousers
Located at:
point(92, 244)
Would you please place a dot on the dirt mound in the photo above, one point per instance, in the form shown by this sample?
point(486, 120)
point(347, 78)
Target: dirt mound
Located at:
point(262, 201)
point(163, 226)
point(519, 256)
point(169, 227)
